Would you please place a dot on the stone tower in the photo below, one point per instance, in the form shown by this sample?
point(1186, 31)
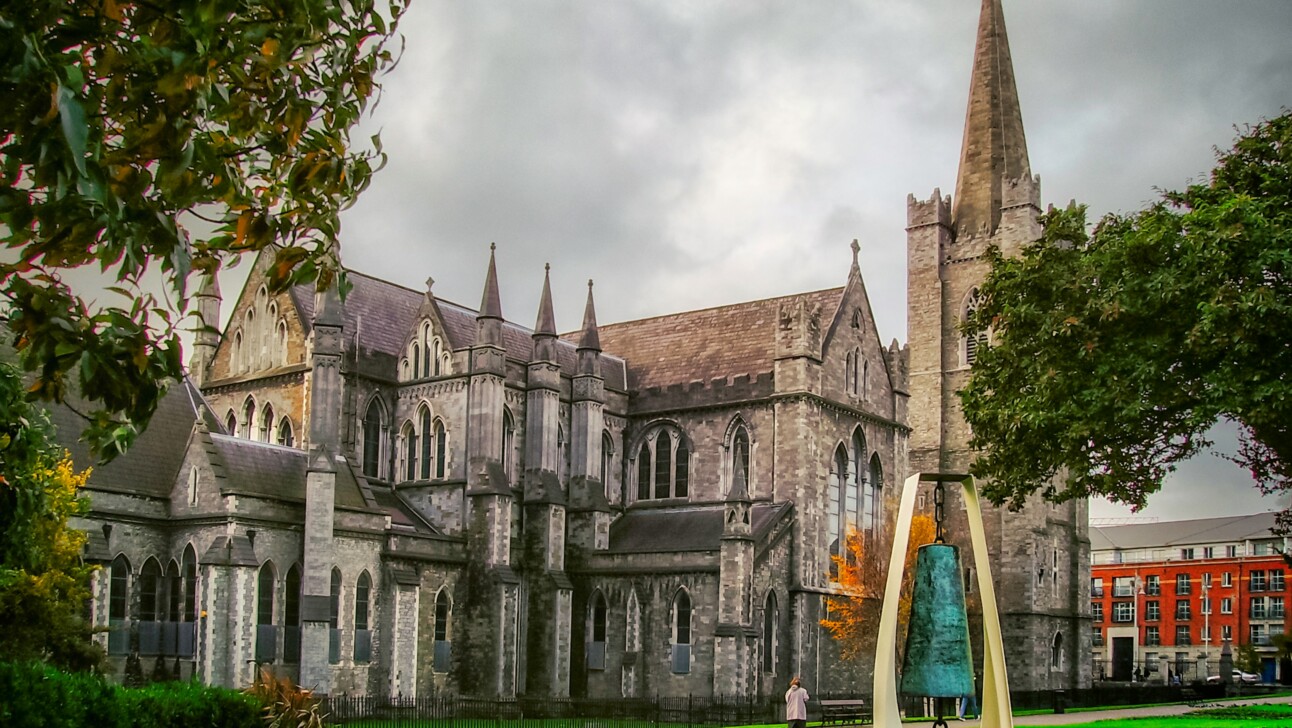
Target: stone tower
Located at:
point(206, 334)
point(492, 598)
point(320, 489)
point(1041, 554)
point(550, 592)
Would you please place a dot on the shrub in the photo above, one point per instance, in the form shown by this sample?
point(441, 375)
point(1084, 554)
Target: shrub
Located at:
point(286, 705)
point(35, 695)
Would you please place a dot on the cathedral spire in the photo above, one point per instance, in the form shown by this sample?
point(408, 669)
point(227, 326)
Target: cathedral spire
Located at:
point(545, 328)
point(546, 325)
point(994, 151)
point(490, 304)
point(590, 339)
point(489, 320)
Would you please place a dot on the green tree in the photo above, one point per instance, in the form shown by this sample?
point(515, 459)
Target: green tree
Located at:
point(43, 583)
point(176, 136)
point(1114, 350)
point(1246, 659)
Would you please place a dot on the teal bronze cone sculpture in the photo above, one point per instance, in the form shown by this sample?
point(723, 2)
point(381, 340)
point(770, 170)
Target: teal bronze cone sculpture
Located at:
point(937, 662)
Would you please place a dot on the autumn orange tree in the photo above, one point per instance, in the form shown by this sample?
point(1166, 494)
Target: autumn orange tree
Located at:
point(859, 571)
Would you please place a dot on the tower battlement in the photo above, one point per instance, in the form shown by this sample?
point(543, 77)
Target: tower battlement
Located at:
point(934, 211)
point(1022, 191)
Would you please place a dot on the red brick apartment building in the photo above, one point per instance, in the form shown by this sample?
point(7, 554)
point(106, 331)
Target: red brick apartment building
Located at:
point(1166, 597)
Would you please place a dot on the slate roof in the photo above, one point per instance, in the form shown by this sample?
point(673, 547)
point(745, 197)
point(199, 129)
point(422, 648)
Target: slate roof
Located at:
point(402, 515)
point(152, 463)
point(699, 528)
point(1227, 529)
point(384, 314)
point(274, 471)
point(712, 343)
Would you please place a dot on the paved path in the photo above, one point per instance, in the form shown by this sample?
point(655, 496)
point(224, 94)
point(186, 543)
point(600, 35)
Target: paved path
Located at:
point(1089, 716)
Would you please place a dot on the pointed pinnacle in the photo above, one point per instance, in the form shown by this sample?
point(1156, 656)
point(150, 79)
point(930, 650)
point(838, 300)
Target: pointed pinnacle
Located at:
point(490, 303)
point(546, 325)
point(591, 339)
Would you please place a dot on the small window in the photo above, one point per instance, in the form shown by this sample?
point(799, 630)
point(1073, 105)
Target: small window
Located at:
point(441, 450)
point(740, 458)
point(443, 646)
point(771, 617)
point(596, 651)
point(266, 631)
point(424, 423)
point(373, 429)
point(1056, 652)
point(681, 657)
point(292, 616)
point(334, 618)
point(362, 608)
point(973, 342)
point(286, 437)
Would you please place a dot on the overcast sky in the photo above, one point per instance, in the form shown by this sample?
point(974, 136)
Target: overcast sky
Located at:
point(692, 154)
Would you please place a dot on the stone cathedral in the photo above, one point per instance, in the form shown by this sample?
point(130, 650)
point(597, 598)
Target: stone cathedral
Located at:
point(395, 494)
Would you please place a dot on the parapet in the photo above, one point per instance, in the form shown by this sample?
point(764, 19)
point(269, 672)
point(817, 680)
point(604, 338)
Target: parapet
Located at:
point(1023, 191)
point(717, 391)
point(934, 211)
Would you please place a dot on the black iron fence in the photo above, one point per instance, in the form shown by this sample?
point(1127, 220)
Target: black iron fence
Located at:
point(457, 712)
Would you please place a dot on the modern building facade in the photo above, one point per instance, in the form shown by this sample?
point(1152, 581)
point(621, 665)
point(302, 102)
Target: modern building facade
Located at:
point(1167, 597)
point(395, 494)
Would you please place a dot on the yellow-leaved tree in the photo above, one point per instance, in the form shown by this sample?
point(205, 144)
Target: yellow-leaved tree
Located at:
point(860, 572)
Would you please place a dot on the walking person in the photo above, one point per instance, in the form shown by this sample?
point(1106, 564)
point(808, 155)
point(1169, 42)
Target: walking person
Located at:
point(796, 704)
point(969, 698)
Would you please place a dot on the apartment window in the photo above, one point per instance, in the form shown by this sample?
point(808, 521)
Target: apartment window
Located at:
point(1204, 634)
point(1227, 632)
point(1257, 583)
point(1260, 635)
point(1096, 587)
point(1276, 607)
point(1152, 611)
point(1226, 606)
point(1153, 585)
point(1097, 611)
point(1276, 580)
point(1226, 579)
point(1152, 636)
point(1206, 580)
point(1231, 551)
point(1097, 636)
point(1182, 585)
point(1182, 609)
point(1123, 612)
point(1186, 554)
point(1205, 606)
point(1182, 635)
point(1258, 608)
point(1123, 586)
point(1262, 548)
point(1208, 552)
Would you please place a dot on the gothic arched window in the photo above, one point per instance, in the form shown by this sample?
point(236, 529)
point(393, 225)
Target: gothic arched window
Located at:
point(876, 486)
point(740, 458)
point(286, 435)
point(266, 423)
point(409, 437)
point(362, 611)
point(663, 464)
point(771, 617)
point(607, 460)
point(266, 635)
point(118, 605)
point(971, 342)
point(442, 652)
point(441, 449)
point(424, 456)
point(596, 652)
point(374, 426)
point(508, 445)
point(681, 657)
point(862, 484)
point(292, 616)
point(334, 618)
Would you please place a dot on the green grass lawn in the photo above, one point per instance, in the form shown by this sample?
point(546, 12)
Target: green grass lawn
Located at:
point(1248, 716)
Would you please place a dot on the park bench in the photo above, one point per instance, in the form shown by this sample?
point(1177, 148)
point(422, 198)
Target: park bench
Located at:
point(845, 712)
